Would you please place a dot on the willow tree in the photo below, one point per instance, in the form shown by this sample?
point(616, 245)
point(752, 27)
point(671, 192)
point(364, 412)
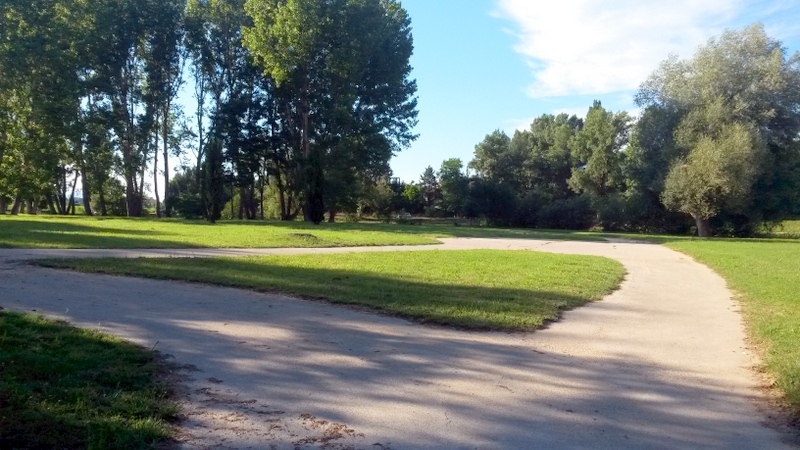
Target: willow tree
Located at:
point(346, 65)
point(737, 100)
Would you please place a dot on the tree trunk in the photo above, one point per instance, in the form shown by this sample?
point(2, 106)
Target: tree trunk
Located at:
point(102, 199)
point(332, 216)
point(17, 205)
point(242, 201)
point(261, 194)
point(3, 141)
point(233, 193)
point(87, 195)
point(71, 208)
point(703, 226)
point(55, 206)
point(51, 204)
point(282, 198)
point(132, 204)
point(155, 179)
point(62, 195)
point(3, 206)
point(165, 137)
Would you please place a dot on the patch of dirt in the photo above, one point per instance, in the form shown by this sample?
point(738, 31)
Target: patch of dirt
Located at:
point(327, 431)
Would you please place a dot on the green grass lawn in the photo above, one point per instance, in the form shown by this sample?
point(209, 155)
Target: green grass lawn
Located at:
point(476, 289)
point(68, 388)
point(90, 232)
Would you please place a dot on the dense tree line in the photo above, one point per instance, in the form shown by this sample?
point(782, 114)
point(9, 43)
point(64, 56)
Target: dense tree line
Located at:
point(300, 104)
point(715, 149)
point(307, 99)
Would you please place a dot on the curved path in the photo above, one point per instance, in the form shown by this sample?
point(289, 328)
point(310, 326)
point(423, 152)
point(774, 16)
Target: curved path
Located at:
point(661, 363)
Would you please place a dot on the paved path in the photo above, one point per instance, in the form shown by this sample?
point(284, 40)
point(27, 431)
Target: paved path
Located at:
point(661, 363)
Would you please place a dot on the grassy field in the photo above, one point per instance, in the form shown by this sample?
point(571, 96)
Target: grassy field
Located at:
point(67, 388)
point(90, 232)
point(766, 275)
point(477, 289)
point(764, 272)
point(788, 229)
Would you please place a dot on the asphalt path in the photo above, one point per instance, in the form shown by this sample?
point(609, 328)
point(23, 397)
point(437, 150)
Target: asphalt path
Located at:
point(660, 363)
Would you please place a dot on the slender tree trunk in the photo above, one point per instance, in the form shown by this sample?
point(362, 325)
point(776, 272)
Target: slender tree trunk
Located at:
point(102, 199)
point(165, 138)
point(242, 201)
point(3, 142)
point(3, 206)
point(51, 204)
point(87, 195)
point(261, 193)
point(55, 205)
point(132, 203)
point(332, 216)
point(31, 207)
point(71, 207)
point(703, 226)
point(200, 115)
point(155, 179)
point(305, 145)
point(282, 198)
point(62, 196)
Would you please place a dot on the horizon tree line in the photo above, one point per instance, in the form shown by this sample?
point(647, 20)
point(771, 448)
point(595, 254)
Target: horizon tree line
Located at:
point(300, 104)
point(312, 97)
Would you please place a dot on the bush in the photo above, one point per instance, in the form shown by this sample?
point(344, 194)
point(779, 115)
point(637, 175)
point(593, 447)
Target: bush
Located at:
point(187, 205)
point(183, 196)
point(494, 201)
point(529, 208)
point(612, 212)
point(574, 213)
point(646, 214)
point(116, 204)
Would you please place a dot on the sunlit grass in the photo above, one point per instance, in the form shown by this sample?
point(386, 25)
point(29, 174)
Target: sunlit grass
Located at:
point(91, 232)
point(479, 289)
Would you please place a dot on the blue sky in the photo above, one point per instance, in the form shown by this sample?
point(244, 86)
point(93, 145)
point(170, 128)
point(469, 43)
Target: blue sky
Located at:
point(483, 65)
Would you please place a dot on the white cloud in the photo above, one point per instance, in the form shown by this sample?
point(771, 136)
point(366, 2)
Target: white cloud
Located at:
point(579, 111)
point(596, 47)
point(517, 125)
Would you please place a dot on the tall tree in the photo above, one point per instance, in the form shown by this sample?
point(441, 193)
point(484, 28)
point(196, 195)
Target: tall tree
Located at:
point(597, 152)
point(454, 185)
point(347, 64)
point(164, 80)
point(495, 159)
point(429, 185)
point(549, 163)
point(743, 79)
point(718, 173)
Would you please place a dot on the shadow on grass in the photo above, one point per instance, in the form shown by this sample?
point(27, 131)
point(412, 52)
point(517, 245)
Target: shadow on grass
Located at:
point(433, 302)
point(424, 388)
point(429, 230)
point(22, 233)
point(62, 387)
point(666, 239)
